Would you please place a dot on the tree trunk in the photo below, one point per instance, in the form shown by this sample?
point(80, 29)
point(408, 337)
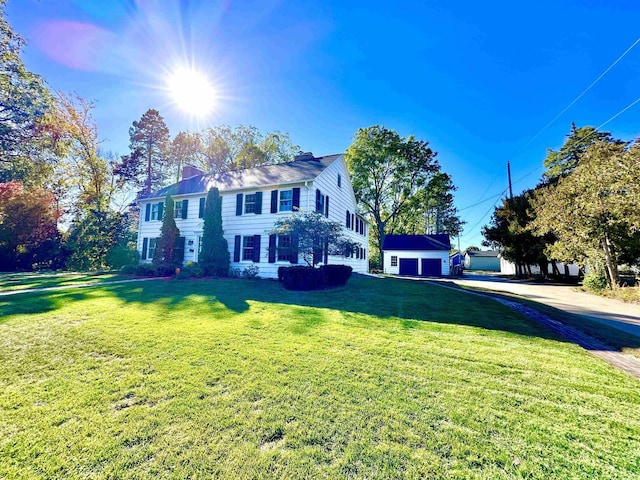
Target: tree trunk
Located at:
point(555, 269)
point(611, 268)
point(381, 236)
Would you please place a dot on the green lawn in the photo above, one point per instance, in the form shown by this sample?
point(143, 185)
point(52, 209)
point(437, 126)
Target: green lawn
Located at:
point(24, 281)
point(241, 379)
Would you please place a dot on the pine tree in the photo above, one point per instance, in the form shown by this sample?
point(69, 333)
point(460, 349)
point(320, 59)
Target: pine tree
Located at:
point(215, 251)
point(165, 254)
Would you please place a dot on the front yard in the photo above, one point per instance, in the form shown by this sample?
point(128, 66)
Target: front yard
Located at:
point(243, 379)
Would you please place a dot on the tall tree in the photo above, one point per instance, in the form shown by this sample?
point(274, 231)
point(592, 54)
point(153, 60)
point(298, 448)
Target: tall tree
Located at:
point(166, 254)
point(146, 167)
point(560, 163)
point(594, 212)
point(387, 172)
point(25, 101)
point(186, 149)
point(214, 254)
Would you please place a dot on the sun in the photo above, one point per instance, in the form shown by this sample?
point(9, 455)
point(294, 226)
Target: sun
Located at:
point(192, 91)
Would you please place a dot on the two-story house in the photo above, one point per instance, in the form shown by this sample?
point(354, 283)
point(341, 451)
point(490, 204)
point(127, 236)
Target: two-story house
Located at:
point(252, 200)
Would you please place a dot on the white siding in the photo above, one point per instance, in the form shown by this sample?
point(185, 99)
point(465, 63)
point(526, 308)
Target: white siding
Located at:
point(443, 255)
point(341, 199)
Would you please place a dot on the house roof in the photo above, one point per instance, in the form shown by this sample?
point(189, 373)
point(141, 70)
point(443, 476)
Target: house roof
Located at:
point(487, 253)
point(264, 176)
point(417, 242)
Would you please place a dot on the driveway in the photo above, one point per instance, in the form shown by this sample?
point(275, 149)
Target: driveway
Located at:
point(618, 314)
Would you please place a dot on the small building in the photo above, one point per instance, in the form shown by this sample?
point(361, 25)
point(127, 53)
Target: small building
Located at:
point(416, 255)
point(479, 260)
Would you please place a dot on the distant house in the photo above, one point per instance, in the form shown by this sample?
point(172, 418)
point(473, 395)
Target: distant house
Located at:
point(478, 260)
point(252, 200)
point(416, 255)
point(456, 259)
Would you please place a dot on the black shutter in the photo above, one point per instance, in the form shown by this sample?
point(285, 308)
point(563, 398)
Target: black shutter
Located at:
point(147, 212)
point(348, 219)
point(236, 248)
point(185, 208)
point(238, 205)
point(258, 203)
point(145, 243)
point(361, 227)
point(272, 246)
point(293, 258)
point(296, 199)
point(353, 223)
point(160, 210)
point(326, 206)
point(318, 204)
point(201, 209)
point(326, 253)
point(274, 201)
point(256, 248)
point(180, 249)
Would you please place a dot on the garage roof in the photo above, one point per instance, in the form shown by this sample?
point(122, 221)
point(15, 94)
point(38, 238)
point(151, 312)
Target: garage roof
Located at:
point(417, 242)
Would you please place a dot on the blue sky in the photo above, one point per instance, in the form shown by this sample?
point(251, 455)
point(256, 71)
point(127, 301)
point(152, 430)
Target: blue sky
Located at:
point(478, 80)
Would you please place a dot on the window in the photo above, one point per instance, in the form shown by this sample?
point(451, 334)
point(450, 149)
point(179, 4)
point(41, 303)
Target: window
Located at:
point(394, 261)
point(247, 247)
point(339, 181)
point(177, 209)
point(320, 199)
point(286, 200)
point(156, 211)
point(153, 243)
point(250, 203)
point(284, 248)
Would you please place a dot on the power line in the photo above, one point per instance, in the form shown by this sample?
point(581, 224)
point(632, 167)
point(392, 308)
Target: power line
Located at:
point(573, 102)
point(483, 201)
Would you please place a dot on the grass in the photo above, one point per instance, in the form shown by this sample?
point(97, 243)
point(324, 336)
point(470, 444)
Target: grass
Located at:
point(25, 281)
point(241, 379)
point(626, 294)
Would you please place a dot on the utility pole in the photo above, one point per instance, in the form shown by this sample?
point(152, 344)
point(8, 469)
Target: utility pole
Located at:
point(509, 175)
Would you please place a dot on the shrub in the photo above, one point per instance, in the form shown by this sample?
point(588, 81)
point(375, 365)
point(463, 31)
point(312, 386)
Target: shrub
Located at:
point(336, 275)
point(594, 281)
point(251, 271)
point(192, 270)
point(146, 270)
point(129, 269)
point(302, 278)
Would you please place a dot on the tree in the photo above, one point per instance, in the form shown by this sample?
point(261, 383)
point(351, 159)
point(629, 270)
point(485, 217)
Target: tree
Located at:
point(28, 228)
point(167, 253)
point(147, 166)
point(226, 149)
point(313, 236)
point(562, 162)
point(594, 212)
point(387, 173)
point(186, 149)
point(214, 255)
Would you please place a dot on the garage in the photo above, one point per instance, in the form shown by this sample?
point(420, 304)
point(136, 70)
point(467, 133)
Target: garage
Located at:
point(416, 255)
point(409, 266)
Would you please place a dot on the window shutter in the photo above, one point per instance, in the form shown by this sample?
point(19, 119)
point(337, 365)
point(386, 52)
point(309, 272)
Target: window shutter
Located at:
point(160, 210)
point(180, 248)
point(296, 199)
point(348, 219)
point(185, 209)
point(238, 205)
point(326, 206)
point(293, 258)
point(147, 212)
point(145, 244)
point(274, 201)
point(318, 204)
point(361, 227)
point(201, 209)
point(353, 225)
point(236, 247)
point(272, 244)
point(326, 253)
point(256, 248)
point(258, 203)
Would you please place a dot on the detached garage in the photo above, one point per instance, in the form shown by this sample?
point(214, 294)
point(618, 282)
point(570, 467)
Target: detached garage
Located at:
point(416, 255)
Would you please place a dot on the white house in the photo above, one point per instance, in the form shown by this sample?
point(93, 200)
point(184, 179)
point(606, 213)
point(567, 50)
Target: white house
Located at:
point(252, 200)
point(416, 255)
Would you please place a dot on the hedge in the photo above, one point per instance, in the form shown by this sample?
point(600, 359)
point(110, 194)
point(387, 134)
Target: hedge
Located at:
point(309, 278)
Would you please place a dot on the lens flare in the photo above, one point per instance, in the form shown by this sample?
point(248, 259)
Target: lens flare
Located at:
point(192, 92)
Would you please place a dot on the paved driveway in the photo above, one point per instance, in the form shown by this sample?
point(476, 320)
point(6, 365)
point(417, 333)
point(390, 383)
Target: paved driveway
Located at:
point(621, 315)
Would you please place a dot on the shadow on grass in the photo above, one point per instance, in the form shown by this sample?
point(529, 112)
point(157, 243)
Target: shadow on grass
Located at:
point(381, 298)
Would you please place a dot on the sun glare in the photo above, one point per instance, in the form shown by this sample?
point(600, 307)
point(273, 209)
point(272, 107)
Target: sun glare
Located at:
point(192, 92)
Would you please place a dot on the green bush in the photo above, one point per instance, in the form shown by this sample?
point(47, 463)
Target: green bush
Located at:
point(594, 281)
point(192, 270)
point(309, 278)
point(336, 275)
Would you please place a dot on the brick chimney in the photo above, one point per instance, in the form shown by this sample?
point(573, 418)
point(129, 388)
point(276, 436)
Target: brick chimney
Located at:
point(189, 171)
point(304, 156)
